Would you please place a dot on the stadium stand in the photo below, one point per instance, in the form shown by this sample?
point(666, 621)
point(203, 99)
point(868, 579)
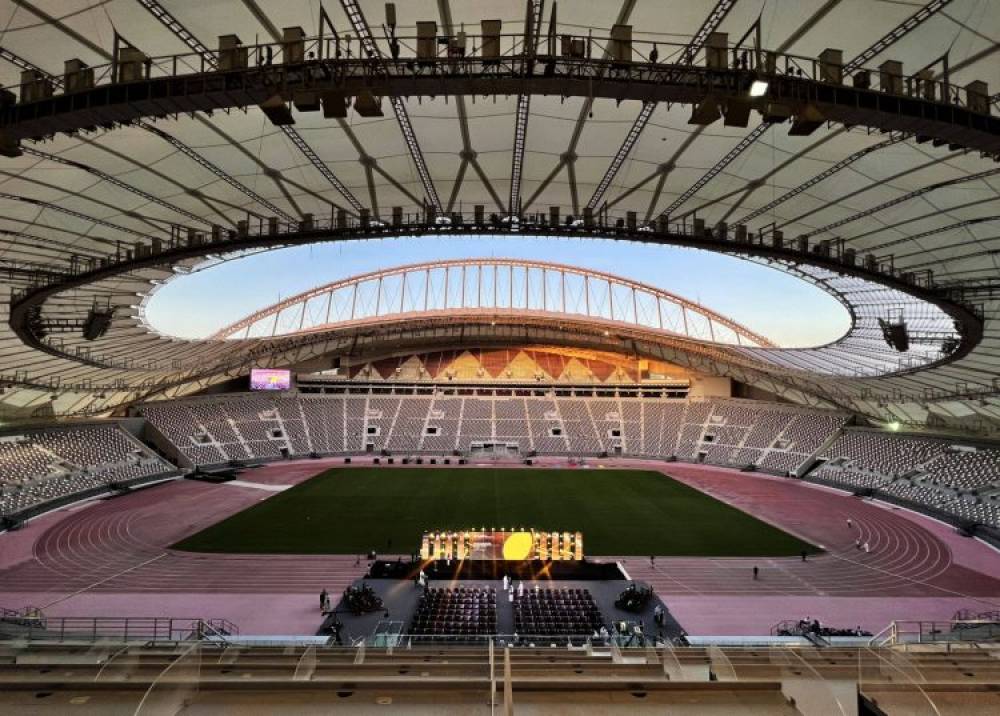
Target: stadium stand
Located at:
point(49, 465)
point(965, 470)
point(887, 455)
point(728, 431)
point(713, 680)
point(956, 481)
point(951, 479)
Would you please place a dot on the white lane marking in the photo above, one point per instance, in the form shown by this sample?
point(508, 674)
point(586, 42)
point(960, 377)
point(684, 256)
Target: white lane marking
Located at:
point(258, 485)
point(106, 579)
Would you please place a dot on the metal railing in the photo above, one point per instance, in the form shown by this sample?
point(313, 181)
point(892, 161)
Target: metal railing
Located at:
point(586, 642)
point(34, 626)
point(502, 53)
point(932, 632)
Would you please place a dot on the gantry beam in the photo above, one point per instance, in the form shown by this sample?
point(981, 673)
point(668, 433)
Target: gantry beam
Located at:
point(911, 23)
point(532, 29)
point(940, 119)
point(173, 141)
point(361, 28)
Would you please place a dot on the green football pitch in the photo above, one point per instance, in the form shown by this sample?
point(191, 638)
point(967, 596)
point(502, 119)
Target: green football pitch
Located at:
point(619, 512)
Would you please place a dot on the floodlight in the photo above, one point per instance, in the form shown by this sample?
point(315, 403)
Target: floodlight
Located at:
point(893, 426)
point(758, 88)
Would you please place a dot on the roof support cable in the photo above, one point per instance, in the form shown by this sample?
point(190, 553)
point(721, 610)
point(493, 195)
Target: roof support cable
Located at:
point(902, 198)
point(116, 182)
point(823, 175)
point(714, 19)
point(210, 60)
point(214, 169)
point(364, 33)
point(911, 23)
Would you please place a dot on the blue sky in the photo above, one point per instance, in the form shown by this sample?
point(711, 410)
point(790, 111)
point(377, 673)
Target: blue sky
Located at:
point(785, 309)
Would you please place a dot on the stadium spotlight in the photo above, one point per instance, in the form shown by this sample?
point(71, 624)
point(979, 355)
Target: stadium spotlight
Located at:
point(759, 88)
point(893, 426)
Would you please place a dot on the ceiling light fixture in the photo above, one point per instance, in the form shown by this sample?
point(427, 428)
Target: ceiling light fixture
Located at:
point(759, 88)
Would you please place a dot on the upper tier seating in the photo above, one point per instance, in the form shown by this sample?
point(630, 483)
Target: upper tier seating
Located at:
point(889, 455)
point(965, 470)
point(934, 472)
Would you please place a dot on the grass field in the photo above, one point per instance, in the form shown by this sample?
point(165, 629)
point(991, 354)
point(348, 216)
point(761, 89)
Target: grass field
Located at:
point(620, 512)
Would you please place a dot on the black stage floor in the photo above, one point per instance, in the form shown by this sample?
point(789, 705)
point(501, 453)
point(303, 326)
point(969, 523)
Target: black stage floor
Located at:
point(479, 570)
point(400, 594)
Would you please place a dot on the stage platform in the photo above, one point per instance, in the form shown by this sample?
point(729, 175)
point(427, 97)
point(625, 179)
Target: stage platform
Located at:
point(400, 598)
point(585, 570)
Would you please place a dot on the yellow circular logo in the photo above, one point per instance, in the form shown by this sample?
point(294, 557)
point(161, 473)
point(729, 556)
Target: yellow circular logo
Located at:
point(518, 546)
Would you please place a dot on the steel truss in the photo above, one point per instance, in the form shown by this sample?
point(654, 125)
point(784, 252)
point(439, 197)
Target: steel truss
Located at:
point(911, 23)
point(944, 119)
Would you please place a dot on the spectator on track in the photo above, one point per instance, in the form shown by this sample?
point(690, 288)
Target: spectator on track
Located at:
point(756, 570)
point(324, 599)
point(803, 555)
point(849, 523)
point(867, 549)
point(652, 560)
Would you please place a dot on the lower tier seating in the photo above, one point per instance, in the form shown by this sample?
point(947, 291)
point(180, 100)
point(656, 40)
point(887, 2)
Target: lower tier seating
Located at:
point(45, 465)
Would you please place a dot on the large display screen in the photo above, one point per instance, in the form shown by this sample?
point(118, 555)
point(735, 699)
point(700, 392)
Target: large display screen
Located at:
point(509, 545)
point(270, 379)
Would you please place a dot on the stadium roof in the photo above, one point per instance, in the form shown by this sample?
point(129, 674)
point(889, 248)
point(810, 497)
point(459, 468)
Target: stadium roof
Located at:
point(106, 182)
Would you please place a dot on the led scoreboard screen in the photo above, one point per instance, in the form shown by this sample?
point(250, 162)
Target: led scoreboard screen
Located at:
point(509, 545)
point(270, 379)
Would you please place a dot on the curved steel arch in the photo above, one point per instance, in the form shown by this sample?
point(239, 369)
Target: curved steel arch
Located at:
point(536, 285)
point(421, 331)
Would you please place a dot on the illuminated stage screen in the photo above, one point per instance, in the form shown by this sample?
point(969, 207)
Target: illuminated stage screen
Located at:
point(508, 545)
point(270, 379)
